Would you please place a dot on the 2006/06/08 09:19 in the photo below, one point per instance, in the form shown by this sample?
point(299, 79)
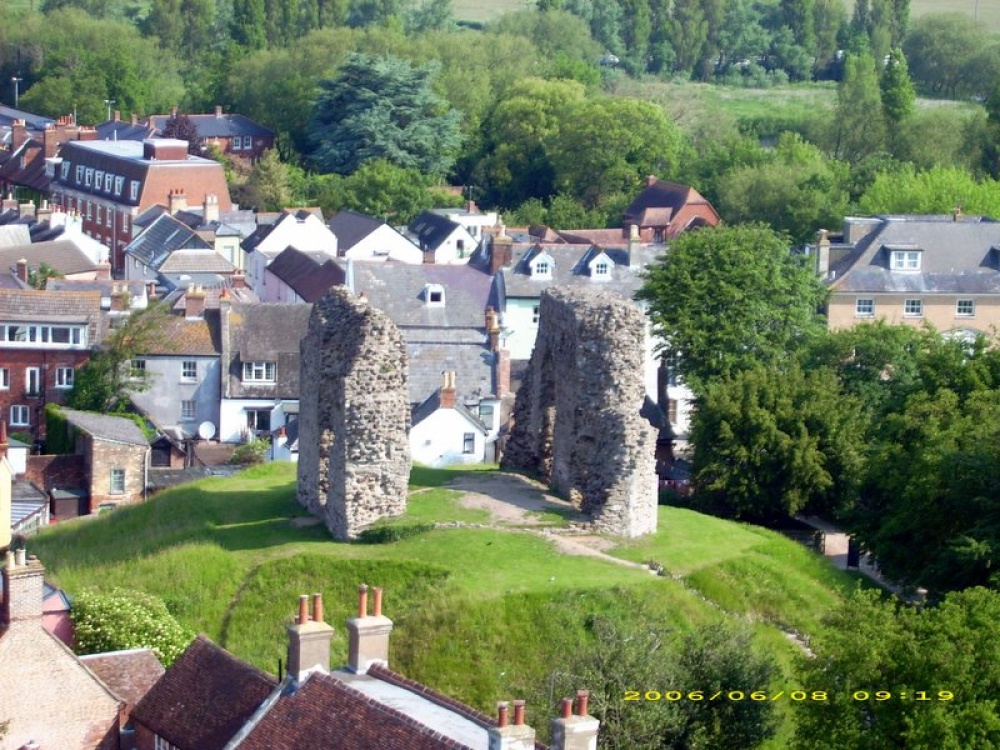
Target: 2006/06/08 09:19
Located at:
point(793, 695)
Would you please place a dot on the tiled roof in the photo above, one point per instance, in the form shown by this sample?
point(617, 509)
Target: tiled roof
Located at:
point(120, 130)
point(957, 257)
point(194, 261)
point(433, 402)
point(427, 360)
point(204, 698)
point(310, 275)
point(129, 674)
point(664, 197)
point(432, 229)
point(182, 335)
point(12, 235)
point(63, 255)
point(32, 121)
point(55, 307)
point(351, 227)
point(106, 427)
point(270, 333)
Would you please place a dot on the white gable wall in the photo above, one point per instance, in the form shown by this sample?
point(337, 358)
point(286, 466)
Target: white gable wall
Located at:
point(385, 243)
point(439, 440)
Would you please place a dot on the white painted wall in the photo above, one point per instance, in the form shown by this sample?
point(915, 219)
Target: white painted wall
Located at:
point(439, 440)
point(447, 252)
point(385, 243)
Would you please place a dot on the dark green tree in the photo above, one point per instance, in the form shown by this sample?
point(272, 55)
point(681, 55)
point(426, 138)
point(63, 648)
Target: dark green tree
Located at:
point(383, 107)
point(772, 443)
point(636, 29)
point(182, 127)
point(688, 34)
point(898, 95)
point(249, 24)
point(857, 130)
point(940, 50)
point(39, 277)
point(731, 298)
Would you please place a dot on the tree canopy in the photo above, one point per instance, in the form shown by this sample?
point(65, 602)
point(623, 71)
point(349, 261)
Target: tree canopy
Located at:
point(732, 298)
point(383, 107)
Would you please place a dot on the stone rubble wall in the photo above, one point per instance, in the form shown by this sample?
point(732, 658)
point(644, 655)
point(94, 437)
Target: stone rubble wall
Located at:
point(576, 418)
point(354, 414)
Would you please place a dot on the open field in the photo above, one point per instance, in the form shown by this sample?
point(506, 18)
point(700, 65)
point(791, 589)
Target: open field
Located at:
point(480, 611)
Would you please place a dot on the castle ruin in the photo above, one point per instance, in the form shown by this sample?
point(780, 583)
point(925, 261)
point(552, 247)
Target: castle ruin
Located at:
point(354, 455)
point(576, 418)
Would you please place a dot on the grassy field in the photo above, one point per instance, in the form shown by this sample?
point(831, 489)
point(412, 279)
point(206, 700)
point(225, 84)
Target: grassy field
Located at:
point(480, 613)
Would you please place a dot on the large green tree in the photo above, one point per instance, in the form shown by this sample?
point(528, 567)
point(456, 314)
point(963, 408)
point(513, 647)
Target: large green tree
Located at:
point(904, 677)
point(857, 126)
point(770, 443)
point(941, 50)
point(934, 191)
point(730, 298)
point(383, 107)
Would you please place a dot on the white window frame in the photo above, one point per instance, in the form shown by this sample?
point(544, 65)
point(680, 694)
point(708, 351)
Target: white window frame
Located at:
point(864, 307)
point(20, 415)
point(913, 308)
point(65, 377)
point(137, 369)
point(969, 312)
point(90, 209)
point(119, 184)
point(79, 174)
point(161, 744)
point(237, 143)
point(905, 260)
point(107, 216)
point(133, 190)
point(88, 177)
point(541, 270)
point(535, 314)
point(4, 378)
point(98, 179)
point(259, 372)
point(602, 269)
point(487, 414)
point(64, 170)
point(468, 443)
point(108, 177)
point(248, 143)
point(189, 370)
point(116, 481)
point(98, 213)
point(189, 410)
point(33, 381)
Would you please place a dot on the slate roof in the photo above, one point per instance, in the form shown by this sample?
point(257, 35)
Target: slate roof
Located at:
point(351, 227)
point(571, 267)
point(433, 402)
point(181, 335)
point(106, 427)
point(472, 363)
point(398, 289)
point(310, 275)
point(128, 674)
point(63, 255)
point(32, 121)
point(204, 698)
point(957, 257)
point(29, 305)
point(164, 236)
point(269, 333)
point(196, 261)
point(218, 126)
point(659, 203)
point(121, 130)
point(238, 221)
point(432, 229)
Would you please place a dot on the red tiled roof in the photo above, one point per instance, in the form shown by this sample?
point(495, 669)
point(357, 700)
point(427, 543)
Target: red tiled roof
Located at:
point(128, 674)
point(204, 698)
point(182, 335)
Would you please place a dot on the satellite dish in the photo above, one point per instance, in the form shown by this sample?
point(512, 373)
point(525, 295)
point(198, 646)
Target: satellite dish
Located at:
point(206, 430)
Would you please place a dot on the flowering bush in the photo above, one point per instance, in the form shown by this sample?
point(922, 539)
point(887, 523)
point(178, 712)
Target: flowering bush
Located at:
point(124, 619)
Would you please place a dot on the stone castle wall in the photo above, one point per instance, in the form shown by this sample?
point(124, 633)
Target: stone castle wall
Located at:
point(354, 455)
point(576, 418)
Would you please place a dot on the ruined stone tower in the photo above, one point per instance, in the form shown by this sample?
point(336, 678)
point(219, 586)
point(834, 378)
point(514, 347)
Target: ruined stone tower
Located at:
point(354, 455)
point(576, 418)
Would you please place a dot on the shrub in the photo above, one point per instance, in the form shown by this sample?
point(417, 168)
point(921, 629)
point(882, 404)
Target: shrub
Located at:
point(254, 452)
point(389, 534)
point(124, 619)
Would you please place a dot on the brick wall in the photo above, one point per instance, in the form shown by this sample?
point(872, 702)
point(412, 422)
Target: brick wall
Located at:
point(66, 472)
point(23, 592)
point(17, 361)
point(103, 456)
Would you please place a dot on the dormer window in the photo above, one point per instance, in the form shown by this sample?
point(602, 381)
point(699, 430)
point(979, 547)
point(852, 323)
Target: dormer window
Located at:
point(541, 266)
point(258, 372)
point(434, 295)
point(904, 260)
point(600, 267)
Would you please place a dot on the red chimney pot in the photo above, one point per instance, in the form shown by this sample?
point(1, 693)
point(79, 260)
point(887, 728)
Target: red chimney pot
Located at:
point(377, 602)
point(318, 607)
point(363, 600)
point(502, 714)
point(582, 701)
point(303, 609)
point(519, 713)
point(567, 708)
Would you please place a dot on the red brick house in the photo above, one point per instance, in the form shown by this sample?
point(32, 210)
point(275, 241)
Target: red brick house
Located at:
point(235, 135)
point(29, 163)
point(45, 336)
point(209, 700)
point(665, 209)
point(109, 183)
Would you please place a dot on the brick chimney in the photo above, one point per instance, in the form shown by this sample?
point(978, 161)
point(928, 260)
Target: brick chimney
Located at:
point(119, 298)
point(502, 375)
point(9, 203)
point(501, 251)
point(50, 139)
point(22, 269)
point(575, 730)
point(633, 245)
point(177, 200)
point(368, 635)
point(22, 588)
point(194, 302)
point(822, 253)
point(26, 210)
point(218, 110)
point(103, 271)
point(507, 735)
point(133, 119)
point(118, 115)
point(210, 208)
point(447, 397)
point(309, 639)
point(493, 328)
point(18, 134)
point(238, 280)
point(651, 180)
point(44, 212)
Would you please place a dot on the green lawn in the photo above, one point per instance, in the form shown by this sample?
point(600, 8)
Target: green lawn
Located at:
point(479, 612)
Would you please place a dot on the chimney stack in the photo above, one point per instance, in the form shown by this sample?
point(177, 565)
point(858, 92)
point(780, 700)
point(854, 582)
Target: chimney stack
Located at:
point(447, 397)
point(119, 298)
point(44, 212)
point(822, 253)
point(18, 134)
point(210, 208)
point(194, 302)
point(633, 245)
point(501, 251)
point(22, 269)
point(502, 375)
point(309, 640)
point(511, 736)
point(218, 110)
point(177, 199)
point(493, 328)
point(102, 271)
point(575, 730)
point(9, 203)
point(368, 635)
point(22, 589)
point(26, 210)
point(4, 443)
point(238, 280)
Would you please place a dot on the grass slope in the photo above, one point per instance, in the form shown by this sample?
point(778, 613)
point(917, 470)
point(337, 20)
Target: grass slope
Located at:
point(480, 613)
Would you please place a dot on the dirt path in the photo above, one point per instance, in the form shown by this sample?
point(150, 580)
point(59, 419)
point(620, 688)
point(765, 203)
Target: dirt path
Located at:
point(514, 500)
